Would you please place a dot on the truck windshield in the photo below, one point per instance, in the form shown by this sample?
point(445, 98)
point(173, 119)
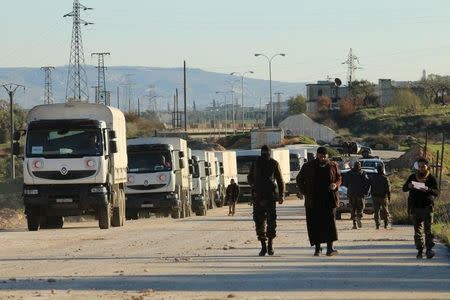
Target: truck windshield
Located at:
point(244, 163)
point(294, 162)
point(56, 143)
point(149, 162)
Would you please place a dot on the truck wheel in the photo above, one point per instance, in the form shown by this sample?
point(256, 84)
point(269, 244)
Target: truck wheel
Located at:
point(33, 221)
point(338, 216)
point(104, 216)
point(176, 213)
point(116, 217)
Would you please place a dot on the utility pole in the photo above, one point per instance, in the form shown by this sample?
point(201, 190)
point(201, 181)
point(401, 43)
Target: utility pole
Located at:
point(184, 94)
point(118, 97)
point(76, 88)
point(101, 96)
point(48, 93)
point(11, 89)
point(278, 105)
point(352, 61)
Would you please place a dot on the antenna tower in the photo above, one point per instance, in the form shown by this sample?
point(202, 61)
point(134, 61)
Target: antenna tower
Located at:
point(101, 96)
point(77, 88)
point(352, 62)
point(48, 91)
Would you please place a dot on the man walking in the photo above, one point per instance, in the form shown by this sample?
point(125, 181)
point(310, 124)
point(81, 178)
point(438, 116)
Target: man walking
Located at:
point(380, 189)
point(357, 183)
point(232, 196)
point(422, 187)
point(319, 181)
point(268, 186)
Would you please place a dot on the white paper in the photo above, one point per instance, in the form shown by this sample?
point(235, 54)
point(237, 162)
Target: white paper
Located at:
point(37, 149)
point(418, 185)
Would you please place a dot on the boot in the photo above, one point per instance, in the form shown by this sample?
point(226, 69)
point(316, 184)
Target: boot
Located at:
point(359, 222)
point(377, 226)
point(430, 253)
point(263, 248)
point(318, 250)
point(386, 224)
point(330, 250)
point(419, 254)
point(270, 247)
point(354, 225)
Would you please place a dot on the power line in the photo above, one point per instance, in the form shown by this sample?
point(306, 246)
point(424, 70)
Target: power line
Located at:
point(101, 95)
point(77, 88)
point(352, 62)
point(48, 90)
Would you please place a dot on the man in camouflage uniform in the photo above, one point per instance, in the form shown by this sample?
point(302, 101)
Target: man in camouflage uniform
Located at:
point(268, 187)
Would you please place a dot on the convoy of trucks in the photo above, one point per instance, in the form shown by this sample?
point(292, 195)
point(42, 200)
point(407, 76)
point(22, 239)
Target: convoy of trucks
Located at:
point(77, 161)
point(74, 163)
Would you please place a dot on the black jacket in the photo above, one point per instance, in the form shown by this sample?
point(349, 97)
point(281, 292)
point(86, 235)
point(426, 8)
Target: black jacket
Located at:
point(262, 177)
point(357, 183)
point(232, 194)
point(380, 186)
point(418, 198)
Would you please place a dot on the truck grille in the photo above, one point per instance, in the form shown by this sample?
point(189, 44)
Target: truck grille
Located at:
point(56, 175)
point(144, 187)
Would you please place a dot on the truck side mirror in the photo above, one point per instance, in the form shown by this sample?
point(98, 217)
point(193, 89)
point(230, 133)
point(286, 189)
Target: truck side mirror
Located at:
point(16, 148)
point(191, 169)
point(112, 146)
point(16, 135)
point(182, 163)
point(112, 134)
point(190, 161)
point(221, 170)
point(181, 154)
point(207, 171)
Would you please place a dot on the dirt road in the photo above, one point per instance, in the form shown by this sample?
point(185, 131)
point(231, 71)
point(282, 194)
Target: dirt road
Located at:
point(215, 257)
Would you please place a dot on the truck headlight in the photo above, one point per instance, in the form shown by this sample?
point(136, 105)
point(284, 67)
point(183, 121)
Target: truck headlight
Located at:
point(98, 189)
point(30, 191)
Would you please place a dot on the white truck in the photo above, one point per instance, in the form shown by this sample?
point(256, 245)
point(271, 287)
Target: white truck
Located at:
point(245, 159)
point(227, 171)
point(158, 177)
point(297, 157)
point(209, 180)
point(75, 163)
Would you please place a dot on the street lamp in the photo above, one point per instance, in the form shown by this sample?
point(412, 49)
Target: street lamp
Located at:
point(242, 91)
point(270, 77)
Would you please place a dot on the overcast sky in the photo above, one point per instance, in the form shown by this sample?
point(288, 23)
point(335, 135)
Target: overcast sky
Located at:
point(393, 39)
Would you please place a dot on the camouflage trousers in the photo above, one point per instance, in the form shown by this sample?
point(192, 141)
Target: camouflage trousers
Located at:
point(265, 217)
point(381, 209)
point(423, 218)
point(357, 207)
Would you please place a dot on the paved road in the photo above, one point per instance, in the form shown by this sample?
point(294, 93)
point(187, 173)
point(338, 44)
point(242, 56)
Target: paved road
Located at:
point(215, 257)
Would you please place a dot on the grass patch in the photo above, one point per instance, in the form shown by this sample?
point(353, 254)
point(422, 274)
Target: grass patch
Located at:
point(442, 231)
point(11, 194)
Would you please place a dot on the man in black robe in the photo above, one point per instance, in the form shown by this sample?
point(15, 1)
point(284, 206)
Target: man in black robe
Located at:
point(319, 181)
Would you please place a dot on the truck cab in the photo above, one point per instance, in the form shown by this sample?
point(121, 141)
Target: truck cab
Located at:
point(158, 177)
point(74, 165)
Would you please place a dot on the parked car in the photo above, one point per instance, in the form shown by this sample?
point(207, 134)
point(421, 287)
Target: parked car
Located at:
point(372, 163)
point(344, 203)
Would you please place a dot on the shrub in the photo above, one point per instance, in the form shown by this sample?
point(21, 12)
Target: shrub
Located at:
point(405, 101)
point(346, 107)
point(323, 103)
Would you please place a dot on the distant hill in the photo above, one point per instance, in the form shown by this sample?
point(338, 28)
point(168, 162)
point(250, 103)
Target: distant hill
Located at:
point(202, 85)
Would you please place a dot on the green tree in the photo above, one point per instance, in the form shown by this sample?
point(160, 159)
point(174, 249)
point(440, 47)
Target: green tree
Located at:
point(19, 119)
point(434, 89)
point(406, 101)
point(297, 105)
point(363, 92)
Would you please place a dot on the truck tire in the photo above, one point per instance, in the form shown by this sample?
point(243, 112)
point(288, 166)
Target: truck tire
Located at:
point(202, 212)
point(33, 221)
point(104, 216)
point(176, 213)
point(116, 217)
point(338, 216)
